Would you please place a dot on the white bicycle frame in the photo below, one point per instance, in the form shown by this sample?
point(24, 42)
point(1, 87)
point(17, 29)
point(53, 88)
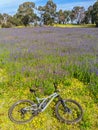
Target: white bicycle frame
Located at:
point(41, 101)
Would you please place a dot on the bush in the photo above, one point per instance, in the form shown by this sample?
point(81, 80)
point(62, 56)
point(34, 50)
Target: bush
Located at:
point(7, 25)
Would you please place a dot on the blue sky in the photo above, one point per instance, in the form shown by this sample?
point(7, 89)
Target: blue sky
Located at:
point(11, 6)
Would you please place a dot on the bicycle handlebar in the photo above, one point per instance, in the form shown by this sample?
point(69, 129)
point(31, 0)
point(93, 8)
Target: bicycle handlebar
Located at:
point(34, 91)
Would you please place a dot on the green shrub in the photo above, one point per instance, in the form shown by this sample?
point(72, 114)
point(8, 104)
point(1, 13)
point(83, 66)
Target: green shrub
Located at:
point(7, 25)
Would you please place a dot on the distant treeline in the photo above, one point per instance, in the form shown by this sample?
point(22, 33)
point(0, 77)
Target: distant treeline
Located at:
point(48, 15)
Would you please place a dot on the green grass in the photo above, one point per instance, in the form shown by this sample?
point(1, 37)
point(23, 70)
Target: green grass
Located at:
point(16, 88)
point(70, 88)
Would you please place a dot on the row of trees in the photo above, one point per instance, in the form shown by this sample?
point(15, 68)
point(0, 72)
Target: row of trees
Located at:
point(49, 15)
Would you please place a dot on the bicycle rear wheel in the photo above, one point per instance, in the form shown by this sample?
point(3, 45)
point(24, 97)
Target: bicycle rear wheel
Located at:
point(72, 113)
point(21, 112)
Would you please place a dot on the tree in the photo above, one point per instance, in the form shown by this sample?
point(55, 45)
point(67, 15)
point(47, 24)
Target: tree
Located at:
point(41, 12)
point(89, 17)
point(14, 20)
point(1, 18)
point(86, 18)
point(95, 13)
point(5, 21)
point(26, 12)
point(48, 12)
point(5, 18)
point(78, 14)
point(67, 14)
point(90, 14)
point(63, 16)
point(72, 16)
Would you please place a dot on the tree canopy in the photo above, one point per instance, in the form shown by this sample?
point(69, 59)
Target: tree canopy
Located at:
point(95, 13)
point(26, 12)
point(48, 12)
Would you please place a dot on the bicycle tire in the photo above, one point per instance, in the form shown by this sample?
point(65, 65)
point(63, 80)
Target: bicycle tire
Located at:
point(64, 116)
point(17, 113)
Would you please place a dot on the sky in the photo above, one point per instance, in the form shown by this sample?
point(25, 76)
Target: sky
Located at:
point(11, 6)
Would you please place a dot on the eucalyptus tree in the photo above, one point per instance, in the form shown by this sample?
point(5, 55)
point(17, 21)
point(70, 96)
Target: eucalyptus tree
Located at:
point(67, 14)
point(72, 16)
point(95, 13)
point(1, 18)
point(78, 14)
point(5, 18)
point(48, 12)
point(25, 12)
point(86, 18)
point(90, 14)
point(63, 16)
point(41, 10)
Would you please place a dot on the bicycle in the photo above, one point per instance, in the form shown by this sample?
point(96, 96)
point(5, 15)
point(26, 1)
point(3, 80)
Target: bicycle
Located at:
point(68, 111)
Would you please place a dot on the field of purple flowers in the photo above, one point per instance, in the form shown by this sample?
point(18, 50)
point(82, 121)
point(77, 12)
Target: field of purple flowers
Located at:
point(39, 52)
point(40, 56)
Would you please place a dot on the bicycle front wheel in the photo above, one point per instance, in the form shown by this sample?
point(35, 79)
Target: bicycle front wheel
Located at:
point(21, 112)
point(71, 113)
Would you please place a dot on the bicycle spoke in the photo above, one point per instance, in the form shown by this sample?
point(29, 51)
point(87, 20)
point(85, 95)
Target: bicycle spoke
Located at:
point(22, 111)
point(19, 115)
point(71, 113)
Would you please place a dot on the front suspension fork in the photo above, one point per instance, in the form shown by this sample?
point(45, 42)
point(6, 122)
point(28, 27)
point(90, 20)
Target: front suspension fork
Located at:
point(66, 109)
